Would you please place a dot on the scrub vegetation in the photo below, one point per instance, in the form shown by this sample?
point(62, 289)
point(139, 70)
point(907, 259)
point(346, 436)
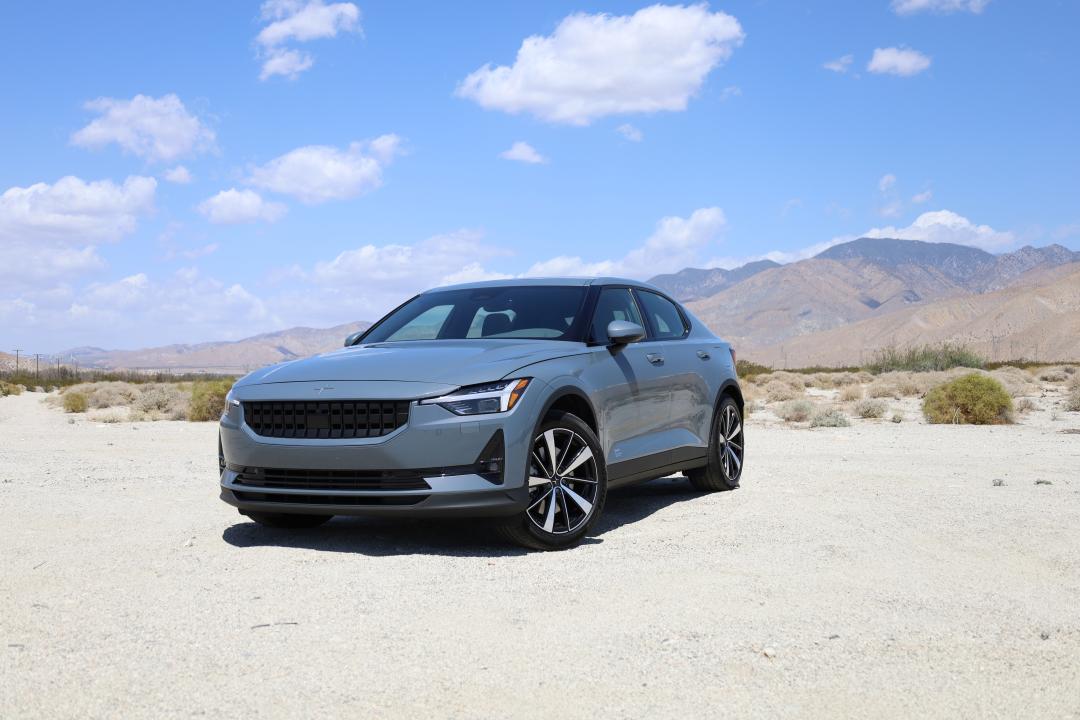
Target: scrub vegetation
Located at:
point(973, 399)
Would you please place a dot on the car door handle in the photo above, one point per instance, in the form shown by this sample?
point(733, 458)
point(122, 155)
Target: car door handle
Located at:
point(703, 355)
point(655, 358)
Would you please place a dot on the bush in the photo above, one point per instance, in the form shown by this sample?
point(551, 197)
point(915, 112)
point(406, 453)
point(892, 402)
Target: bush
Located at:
point(925, 358)
point(830, 417)
point(1072, 402)
point(898, 417)
point(972, 399)
point(747, 369)
point(1053, 375)
point(777, 390)
point(208, 400)
point(157, 402)
point(795, 410)
point(9, 389)
point(851, 393)
point(881, 389)
point(1024, 405)
point(112, 394)
point(870, 408)
point(75, 402)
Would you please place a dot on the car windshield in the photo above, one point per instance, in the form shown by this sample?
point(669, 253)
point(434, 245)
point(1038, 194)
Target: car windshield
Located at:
point(527, 312)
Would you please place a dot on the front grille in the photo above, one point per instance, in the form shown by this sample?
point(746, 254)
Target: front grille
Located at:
point(300, 499)
point(317, 420)
point(332, 479)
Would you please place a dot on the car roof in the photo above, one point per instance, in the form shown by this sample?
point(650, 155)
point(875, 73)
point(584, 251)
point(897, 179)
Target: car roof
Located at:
point(548, 281)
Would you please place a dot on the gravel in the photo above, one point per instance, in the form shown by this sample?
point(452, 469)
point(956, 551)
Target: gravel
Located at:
point(896, 583)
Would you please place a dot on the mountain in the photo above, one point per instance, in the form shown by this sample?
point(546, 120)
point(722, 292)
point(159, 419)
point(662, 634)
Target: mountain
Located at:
point(1036, 318)
point(694, 283)
point(237, 356)
point(860, 280)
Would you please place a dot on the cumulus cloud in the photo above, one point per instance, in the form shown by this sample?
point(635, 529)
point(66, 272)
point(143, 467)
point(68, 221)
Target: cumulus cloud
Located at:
point(523, 152)
point(675, 243)
point(904, 62)
point(909, 7)
point(318, 173)
point(233, 206)
point(179, 175)
point(886, 182)
point(630, 132)
point(840, 64)
point(598, 65)
point(297, 21)
point(158, 129)
point(924, 196)
point(950, 227)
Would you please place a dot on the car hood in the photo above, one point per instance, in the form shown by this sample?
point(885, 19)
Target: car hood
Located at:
point(443, 362)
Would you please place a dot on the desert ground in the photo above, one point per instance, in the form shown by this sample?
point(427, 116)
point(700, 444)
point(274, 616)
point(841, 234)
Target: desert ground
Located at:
point(884, 569)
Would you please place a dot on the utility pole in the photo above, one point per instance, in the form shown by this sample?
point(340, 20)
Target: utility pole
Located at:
point(17, 351)
point(37, 364)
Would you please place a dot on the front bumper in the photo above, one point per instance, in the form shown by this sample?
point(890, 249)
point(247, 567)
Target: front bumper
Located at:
point(437, 447)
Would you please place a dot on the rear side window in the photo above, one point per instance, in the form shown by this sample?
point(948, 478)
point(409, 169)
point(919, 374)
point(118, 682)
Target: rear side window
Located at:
point(665, 318)
point(613, 304)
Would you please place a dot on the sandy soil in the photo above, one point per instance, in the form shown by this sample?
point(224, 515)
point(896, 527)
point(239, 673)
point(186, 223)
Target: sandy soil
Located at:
point(872, 571)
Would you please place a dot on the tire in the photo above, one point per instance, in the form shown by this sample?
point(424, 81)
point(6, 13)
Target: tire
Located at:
point(292, 521)
point(565, 503)
point(726, 448)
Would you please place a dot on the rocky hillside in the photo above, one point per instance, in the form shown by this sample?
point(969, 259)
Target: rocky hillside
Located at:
point(694, 283)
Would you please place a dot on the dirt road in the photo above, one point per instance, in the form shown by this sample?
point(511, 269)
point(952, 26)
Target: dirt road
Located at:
point(872, 571)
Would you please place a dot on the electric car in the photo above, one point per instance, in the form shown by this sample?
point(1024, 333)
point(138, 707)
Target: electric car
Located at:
point(520, 400)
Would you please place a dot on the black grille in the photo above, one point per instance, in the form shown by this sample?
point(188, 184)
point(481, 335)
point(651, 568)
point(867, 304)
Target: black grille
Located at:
point(332, 479)
point(296, 498)
point(338, 419)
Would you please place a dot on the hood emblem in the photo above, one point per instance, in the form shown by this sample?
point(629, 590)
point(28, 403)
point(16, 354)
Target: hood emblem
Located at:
point(320, 390)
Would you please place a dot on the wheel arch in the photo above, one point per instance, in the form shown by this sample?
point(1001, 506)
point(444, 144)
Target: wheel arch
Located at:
point(569, 398)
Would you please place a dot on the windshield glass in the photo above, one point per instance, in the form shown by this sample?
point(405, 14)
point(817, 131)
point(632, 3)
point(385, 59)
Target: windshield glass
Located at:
point(528, 312)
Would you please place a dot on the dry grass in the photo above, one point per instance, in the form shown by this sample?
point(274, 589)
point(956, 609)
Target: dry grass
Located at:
point(7, 388)
point(1024, 405)
point(851, 393)
point(795, 410)
point(1053, 374)
point(779, 391)
point(829, 417)
point(883, 389)
point(161, 401)
point(870, 408)
point(75, 402)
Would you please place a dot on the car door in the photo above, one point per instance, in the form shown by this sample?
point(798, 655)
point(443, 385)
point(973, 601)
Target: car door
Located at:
point(629, 381)
point(687, 365)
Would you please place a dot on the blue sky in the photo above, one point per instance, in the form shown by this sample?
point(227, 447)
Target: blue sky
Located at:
point(368, 150)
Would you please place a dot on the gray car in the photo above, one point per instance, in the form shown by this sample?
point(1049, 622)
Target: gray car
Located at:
point(521, 400)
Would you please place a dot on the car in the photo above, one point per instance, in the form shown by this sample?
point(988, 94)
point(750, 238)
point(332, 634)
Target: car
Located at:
point(523, 401)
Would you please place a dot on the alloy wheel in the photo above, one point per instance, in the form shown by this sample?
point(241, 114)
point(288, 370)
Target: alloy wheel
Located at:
point(562, 481)
point(730, 442)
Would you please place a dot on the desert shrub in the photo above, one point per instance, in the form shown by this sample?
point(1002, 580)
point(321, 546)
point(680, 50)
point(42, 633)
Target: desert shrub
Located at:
point(777, 390)
point(795, 410)
point(208, 400)
point(1054, 374)
point(1072, 402)
point(748, 369)
point(75, 402)
point(7, 388)
point(822, 380)
point(1024, 405)
point(1069, 369)
point(793, 379)
point(973, 399)
point(160, 401)
point(882, 389)
point(108, 416)
point(870, 408)
point(752, 407)
point(1017, 381)
point(829, 417)
point(112, 394)
point(898, 417)
point(851, 393)
point(925, 358)
point(845, 378)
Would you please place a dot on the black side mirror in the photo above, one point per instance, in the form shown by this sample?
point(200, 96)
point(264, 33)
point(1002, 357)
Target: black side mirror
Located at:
point(622, 332)
point(351, 339)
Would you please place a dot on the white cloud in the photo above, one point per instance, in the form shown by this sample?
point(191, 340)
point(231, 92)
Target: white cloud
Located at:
point(924, 196)
point(158, 129)
point(318, 173)
point(908, 7)
point(523, 152)
point(731, 91)
point(630, 132)
point(676, 243)
point(233, 206)
point(950, 227)
point(299, 21)
point(598, 65)
point(51, 232)
point(886, 182)
point(840, 64)
point(904, 62)
point(179, 175)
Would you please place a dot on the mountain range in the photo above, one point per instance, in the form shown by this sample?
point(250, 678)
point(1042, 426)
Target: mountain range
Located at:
point(832, 309)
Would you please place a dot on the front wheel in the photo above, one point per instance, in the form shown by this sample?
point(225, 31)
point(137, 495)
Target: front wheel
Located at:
point(567, 486)
point(726, 446)
point(288, 520)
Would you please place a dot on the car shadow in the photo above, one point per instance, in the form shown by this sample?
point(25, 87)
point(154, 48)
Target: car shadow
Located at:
point(379, 537)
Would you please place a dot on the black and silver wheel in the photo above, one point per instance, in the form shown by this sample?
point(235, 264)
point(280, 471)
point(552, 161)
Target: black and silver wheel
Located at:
point(726, 449)
point(567, 485)
point(291, 521)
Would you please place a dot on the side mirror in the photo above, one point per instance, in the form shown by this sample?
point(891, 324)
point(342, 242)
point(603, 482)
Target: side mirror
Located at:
point(351, 339)
point(621, 332)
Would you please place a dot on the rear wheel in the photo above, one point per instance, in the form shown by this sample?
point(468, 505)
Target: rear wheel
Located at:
point(725, 451)
point(288, 520)
point(567, 486)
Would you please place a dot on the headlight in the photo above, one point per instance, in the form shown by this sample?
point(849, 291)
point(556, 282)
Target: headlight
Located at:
point(494, 397)
point(230, 400)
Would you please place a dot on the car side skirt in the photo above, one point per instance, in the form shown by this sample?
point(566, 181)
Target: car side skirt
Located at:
point(657, 465)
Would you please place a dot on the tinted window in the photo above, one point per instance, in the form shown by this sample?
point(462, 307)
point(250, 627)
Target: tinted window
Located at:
point(534, 312)
point(663, 316)
point(613, 304)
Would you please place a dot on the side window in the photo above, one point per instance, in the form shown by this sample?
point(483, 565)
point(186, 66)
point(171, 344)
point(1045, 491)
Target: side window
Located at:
point(664, 317)
point(425, 326)
point(613, 304)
